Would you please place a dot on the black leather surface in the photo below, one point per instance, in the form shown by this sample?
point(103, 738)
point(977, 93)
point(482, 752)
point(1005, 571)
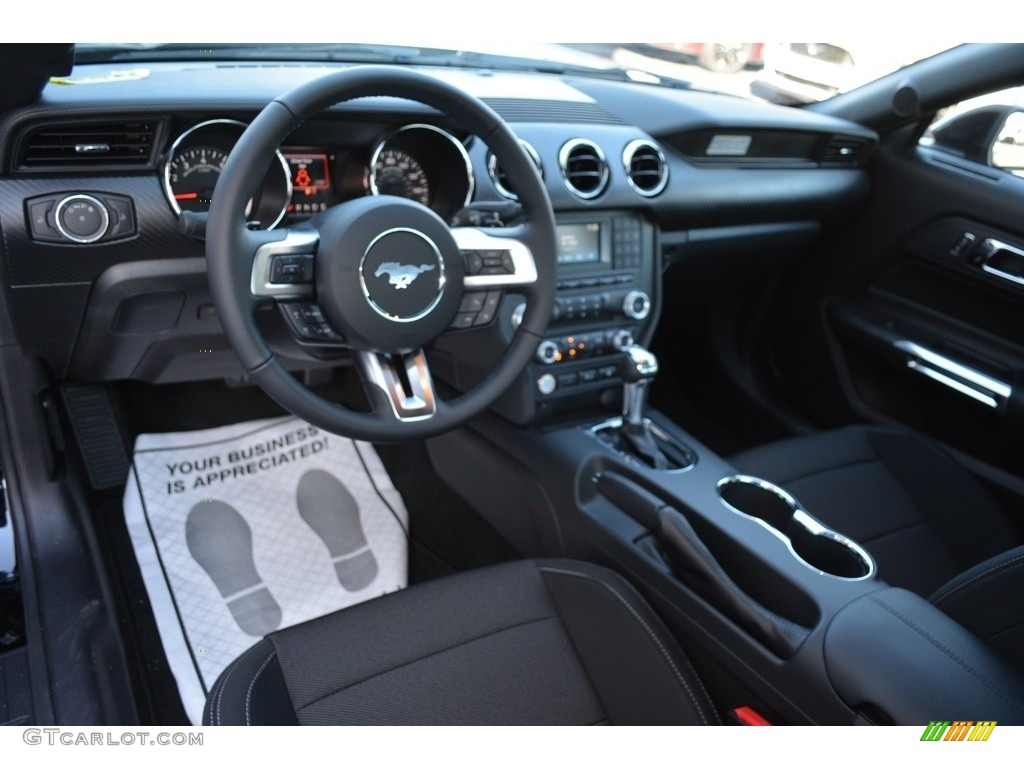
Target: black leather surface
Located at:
point(529, 642)
point(895, 652)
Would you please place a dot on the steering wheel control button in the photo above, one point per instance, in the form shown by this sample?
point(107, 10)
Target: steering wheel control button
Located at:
point(463, 320)
point(403, 275)
point(291, 269)
point(492, 262)
point(308, 322)
point(474, 262)
point(490, 308)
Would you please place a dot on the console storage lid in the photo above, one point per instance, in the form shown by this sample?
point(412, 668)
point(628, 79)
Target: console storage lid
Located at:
point(891, 655)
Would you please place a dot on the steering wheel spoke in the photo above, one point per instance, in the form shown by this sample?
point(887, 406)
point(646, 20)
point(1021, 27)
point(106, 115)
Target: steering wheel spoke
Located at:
point(403, 382)
point(284, 268)
point(496, 259)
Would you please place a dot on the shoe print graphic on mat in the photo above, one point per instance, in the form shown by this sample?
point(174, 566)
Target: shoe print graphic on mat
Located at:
point(329, 509)
point(221, 541)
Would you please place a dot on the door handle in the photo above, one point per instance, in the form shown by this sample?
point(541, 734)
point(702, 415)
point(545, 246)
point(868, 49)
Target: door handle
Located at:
point(1002, 260)
point(960, 378)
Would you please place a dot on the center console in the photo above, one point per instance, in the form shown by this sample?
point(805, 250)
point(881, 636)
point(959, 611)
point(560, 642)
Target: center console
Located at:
point(780, 612)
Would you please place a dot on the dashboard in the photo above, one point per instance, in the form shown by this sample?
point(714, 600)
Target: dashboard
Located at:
point(104, 270)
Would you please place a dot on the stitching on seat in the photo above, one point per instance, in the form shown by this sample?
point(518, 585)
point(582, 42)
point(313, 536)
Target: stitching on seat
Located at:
point(252, 685)
point(650, 634)
point(215, 718)
point(989, 573)
point(423, 658)
point(948, 652)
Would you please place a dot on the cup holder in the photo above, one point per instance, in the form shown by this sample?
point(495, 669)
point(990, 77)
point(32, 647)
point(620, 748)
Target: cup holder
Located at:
point(818, 547)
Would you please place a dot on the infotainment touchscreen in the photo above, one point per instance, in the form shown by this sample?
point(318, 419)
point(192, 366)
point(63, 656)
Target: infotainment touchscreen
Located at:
point(579, 243)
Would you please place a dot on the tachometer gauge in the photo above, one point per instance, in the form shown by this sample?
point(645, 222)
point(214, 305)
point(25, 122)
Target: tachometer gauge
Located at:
point(193, 174)
point(194, 164)
point(396, 172)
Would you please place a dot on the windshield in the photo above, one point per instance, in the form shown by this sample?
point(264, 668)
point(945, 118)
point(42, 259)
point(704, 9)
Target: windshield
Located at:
point(783, 73)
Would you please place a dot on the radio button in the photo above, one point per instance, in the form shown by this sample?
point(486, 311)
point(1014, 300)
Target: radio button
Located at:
point(546, 384)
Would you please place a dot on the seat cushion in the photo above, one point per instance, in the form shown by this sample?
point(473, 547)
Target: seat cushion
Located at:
point(987, 600)
point(531, 642)
point(922, 517)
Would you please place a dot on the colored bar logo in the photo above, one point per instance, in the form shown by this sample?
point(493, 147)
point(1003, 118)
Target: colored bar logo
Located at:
point(959, 730)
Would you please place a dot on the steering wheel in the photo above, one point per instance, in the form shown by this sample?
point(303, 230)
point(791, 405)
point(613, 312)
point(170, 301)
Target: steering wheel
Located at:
point(382, 276)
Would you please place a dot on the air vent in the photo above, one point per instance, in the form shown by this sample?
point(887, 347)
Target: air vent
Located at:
point(584, 168)
point(646, 169)
point(78, 144)
point(498, 174)
point(844, 150)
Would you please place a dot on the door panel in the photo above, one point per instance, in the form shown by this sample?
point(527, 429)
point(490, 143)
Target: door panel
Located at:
point(916, 314)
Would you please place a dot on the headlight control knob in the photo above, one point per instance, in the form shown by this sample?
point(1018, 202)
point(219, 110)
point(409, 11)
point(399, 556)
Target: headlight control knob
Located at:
point(81, 218)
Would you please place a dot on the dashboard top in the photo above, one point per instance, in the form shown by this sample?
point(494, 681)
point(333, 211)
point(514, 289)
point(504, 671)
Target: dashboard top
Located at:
point(693, 152)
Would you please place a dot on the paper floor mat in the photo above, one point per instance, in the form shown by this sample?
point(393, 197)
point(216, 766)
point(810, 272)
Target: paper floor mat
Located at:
point(245, 529)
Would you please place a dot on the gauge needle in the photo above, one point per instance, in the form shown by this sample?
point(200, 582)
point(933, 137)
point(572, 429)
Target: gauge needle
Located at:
point(186, 196)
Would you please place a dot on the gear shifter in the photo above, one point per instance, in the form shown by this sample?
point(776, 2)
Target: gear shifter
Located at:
point(638, 371)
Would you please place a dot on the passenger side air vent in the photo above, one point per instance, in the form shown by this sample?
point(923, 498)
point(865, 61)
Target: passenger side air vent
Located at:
point(646, 169)
point(584, 168)
point(129, 143)
point(844, 150)
point(498, 174)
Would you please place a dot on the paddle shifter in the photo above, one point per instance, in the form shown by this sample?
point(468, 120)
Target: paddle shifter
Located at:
point(639, 368)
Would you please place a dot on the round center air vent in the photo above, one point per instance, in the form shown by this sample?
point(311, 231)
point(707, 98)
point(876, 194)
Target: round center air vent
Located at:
point(497, 173)
point(645, 167)
point(584, 168)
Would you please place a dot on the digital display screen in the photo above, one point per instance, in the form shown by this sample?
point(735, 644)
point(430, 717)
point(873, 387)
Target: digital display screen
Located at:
point(311, 182)
point(579, 243)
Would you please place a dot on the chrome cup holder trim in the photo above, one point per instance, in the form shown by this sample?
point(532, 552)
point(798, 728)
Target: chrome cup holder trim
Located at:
point(798, 516)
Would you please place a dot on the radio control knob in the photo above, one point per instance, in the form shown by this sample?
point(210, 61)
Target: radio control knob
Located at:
point(636, 305)
point(548, 352)
point(622, 339)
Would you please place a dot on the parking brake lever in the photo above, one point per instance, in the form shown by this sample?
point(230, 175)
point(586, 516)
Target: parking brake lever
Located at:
point(695, 566)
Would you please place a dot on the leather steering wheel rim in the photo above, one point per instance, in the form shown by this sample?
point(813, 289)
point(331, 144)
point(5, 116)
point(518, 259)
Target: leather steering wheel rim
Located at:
point(230, 249)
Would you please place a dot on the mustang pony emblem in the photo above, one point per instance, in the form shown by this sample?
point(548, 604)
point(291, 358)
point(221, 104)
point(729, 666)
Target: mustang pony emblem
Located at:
point(402, 275)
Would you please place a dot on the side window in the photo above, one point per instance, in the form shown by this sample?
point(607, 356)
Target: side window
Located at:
point(988, 130)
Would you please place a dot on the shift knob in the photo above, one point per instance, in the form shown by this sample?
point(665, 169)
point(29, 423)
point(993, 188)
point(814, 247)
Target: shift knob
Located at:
point(640, 364)
point(638, 370)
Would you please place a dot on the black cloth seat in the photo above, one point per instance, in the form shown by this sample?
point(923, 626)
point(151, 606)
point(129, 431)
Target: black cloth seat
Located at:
point(931, 527)
point(530, 642)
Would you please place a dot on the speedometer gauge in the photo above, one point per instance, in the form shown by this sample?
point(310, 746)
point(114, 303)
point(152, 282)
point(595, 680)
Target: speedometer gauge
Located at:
point(425, 164)
point(396, 172)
